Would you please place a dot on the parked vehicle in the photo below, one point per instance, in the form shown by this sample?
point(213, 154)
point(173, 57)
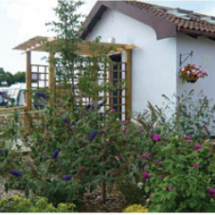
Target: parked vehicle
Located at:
point(15, 93)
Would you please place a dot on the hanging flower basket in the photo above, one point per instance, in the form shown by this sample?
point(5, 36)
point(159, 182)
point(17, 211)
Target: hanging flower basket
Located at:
point(191, 73)
point(192, 79)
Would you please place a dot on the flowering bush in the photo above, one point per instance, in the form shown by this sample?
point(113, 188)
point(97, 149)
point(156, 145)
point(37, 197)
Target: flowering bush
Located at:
point(136, 209)
point(191, 72)
point(187, 179)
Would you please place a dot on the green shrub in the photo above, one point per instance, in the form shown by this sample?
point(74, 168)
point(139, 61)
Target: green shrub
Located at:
point(19, 204)
point(136, 209)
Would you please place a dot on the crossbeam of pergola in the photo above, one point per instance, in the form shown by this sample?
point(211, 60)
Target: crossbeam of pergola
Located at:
point(38, 44)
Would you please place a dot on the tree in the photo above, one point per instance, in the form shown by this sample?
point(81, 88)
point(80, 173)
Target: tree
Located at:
point(19, 77)
point(6, 77)
point(10, 78)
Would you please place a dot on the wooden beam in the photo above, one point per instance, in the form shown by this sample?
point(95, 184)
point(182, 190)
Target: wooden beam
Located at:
point(128, 47)
point(128, 60)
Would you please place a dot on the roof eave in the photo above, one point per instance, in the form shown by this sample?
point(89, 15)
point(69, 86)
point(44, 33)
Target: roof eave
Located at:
point(163, 28)
point(197, 33)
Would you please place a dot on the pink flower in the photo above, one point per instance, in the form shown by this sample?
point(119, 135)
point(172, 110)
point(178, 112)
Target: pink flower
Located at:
point(146, 175)
point(150, 193)
point(155, 137)
point(196, 165)
point(46, 137)
point(212, 192)
point(170, 188)
point(197, 147)
point(162, 176)
point(144, 155)
point(118, 157)
point(61, 111)
point(141, 130)
point(158, 163)
point(187, 138)
point(125, 130)
point(126, 122)
point(112, 111)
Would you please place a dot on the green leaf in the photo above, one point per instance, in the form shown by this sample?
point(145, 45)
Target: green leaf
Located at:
point(93, 186)
point(27, 190)
point(6, 186)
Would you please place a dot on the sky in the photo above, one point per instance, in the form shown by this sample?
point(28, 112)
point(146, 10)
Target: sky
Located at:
point(21, 20)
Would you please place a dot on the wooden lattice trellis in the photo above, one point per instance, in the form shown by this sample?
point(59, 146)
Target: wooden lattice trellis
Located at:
point(116, 74)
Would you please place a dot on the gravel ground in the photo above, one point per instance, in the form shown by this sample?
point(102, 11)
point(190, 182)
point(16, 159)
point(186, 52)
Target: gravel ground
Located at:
point(10, 192)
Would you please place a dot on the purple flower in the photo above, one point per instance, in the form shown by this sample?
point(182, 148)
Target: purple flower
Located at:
point(212, 192)
point(66, 121)
point(170, 188)
point(2, 93)
point(93, 135)
point(196, 165)
point(42, 95)
point(197, 147)
point(141, 166)
point(155, 137)
point(150, 193)
point(29, 165)
point(146, 175)
point(15, 173)
point(67, 177)
point(144, 155)
point(101, 104)
point(55, 154)
point(125, 130)
point(187, 138)
point(88, 106)
point(1, 152)
point(126, 122)
point(118, 157)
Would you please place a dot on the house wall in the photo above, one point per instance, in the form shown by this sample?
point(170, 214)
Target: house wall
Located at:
point(153, 61)
point(204, 56)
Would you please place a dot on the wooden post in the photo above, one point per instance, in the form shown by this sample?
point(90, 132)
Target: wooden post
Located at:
point(128, 60)
point(28, 79)
point(27, 120)
point(51, 76)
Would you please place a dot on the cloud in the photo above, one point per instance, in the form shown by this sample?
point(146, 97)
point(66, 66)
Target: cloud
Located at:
point(31, 16)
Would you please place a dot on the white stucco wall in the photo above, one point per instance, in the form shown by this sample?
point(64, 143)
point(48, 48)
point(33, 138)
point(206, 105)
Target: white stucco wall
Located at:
point(153, 61)
point(204, 56)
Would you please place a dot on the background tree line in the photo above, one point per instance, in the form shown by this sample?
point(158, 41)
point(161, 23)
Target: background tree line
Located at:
point(7, 79)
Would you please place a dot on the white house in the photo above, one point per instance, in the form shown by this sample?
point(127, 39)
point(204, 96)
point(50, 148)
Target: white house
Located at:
point(166, 39)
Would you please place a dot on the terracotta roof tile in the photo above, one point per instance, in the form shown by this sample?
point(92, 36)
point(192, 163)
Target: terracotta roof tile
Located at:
point(191, 21)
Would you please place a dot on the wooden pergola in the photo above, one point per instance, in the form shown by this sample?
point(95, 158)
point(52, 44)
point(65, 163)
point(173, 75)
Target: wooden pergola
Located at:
point(37, 44)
